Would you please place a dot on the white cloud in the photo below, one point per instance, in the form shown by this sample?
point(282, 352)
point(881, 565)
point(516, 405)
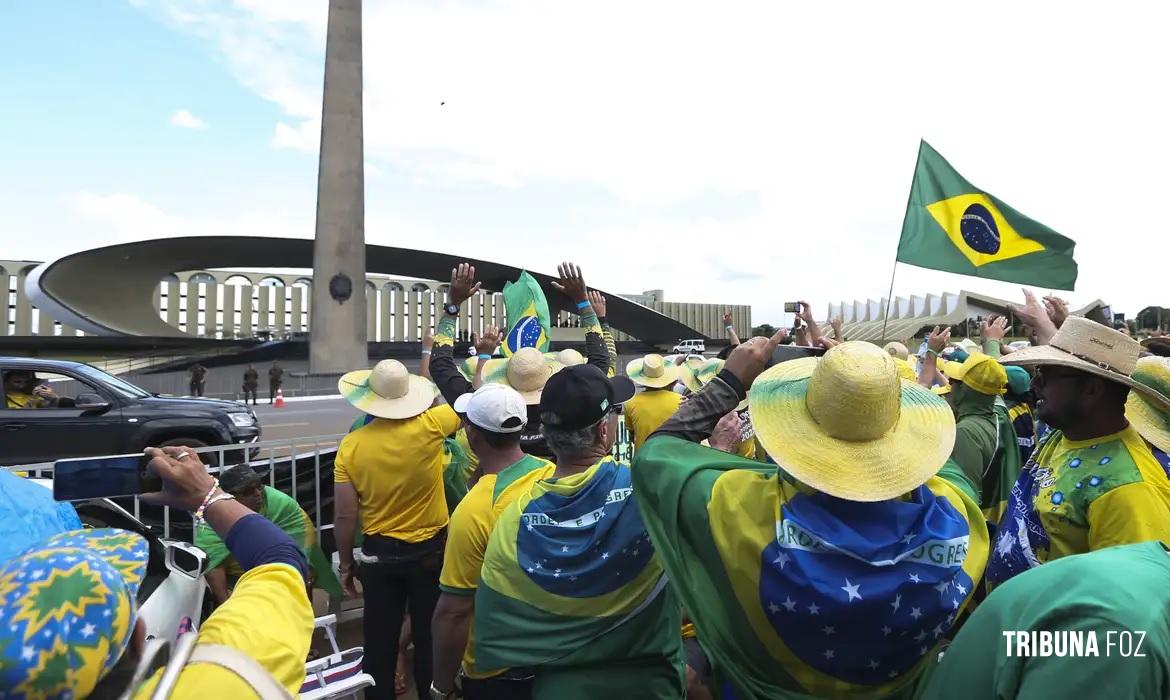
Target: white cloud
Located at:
point(184, 119)
point(817, 108)
point(123, 217)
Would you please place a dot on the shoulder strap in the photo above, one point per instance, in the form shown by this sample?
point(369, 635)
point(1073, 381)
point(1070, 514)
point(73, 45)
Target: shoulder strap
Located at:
point(252, 673)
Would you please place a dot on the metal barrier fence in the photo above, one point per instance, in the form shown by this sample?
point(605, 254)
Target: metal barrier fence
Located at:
point(298, 467)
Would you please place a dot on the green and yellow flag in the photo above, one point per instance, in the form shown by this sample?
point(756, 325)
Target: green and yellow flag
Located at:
point(528, 318)
point(953, 226)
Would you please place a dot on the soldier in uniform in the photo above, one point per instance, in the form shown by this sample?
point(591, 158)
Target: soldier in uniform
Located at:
point(198, 379)
point(251, 382)
point(275, 380)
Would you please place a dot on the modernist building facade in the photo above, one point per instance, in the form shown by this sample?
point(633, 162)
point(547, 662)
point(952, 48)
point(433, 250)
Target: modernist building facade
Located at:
point(260, 304)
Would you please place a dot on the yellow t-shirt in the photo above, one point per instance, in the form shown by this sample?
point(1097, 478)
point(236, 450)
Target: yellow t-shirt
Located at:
point(269, 619)
point(471, 527)
point(648, 410)
point(17, 400)
point(461, 438)
point(396, 467)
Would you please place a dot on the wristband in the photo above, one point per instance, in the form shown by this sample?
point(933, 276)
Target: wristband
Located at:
point(730, 328)
point(426, 352)
point(931, 351)
point(484, 356)
point(583, 304)
point(198, 515)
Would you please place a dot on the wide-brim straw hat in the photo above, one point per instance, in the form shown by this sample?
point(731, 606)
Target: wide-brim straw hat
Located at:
point(1090, 347)
point(845, 424)
point(898, 350)
point(526, 371)
point(388, 390)
point(652, 371)
point(1151, 422)
point(689, 370)
point(696, 378)
point(567, 357)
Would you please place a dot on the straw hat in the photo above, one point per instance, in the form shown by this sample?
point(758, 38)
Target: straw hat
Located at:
point(652, 371)
point(1091, 347)
point(567, 357)
point(897, 350)
point(526, 371)
point(1151, 422)
point(387, 391)
point(688, 371)
point(846, 425)
point(695, 378)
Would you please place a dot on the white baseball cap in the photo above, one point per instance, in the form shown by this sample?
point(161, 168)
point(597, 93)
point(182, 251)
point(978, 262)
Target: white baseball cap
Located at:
point(496, 408)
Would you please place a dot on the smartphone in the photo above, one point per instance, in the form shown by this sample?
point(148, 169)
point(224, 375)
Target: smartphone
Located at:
point(103, 477)
point(791, 307)
point(784, 353)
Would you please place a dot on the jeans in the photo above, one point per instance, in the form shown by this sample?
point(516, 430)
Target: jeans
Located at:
point(405, 580)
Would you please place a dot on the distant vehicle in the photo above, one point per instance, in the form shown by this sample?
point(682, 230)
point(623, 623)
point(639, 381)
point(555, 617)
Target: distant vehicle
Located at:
point(96, 413)
point(690, 347)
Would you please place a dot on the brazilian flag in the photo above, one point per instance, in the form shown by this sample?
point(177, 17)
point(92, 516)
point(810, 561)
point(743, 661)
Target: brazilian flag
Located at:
point(527, 312)
point(953, 226)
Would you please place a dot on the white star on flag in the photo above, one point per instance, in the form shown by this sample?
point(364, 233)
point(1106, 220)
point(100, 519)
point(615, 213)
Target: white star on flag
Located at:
point(530, 569)
point(634, 553)
point(955, 604)
point(829, 629)
point(915, 579)
point(538, 565)
point(789, 603)
point(873, 665)
point(781, 559)
point(886, 630)
point(942, 587)
point(937, 631)
point(605, 555)
point(28, 653)
point(1005, 544)
point(773, 608)
point(814, 609)
point(851, 589)
point(530, 527)
point(897, 602)
point(564, 548)
point(920, 636)
point(922, 650)
point(572, 578)
point(909, 538)
point(915, 613)
point(88, 630)
point(961, 589)
point(829, 653)
point(893, 674)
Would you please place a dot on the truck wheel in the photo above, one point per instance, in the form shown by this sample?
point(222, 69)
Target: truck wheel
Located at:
point(211, 460)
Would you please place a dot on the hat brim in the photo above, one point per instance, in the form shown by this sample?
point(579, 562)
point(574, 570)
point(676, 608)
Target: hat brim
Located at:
point(636, 371)
point(896, 463)
point(1039, 355)
point(495, 371)
point(355, 387)
point(623, 389)
point(1151, 424)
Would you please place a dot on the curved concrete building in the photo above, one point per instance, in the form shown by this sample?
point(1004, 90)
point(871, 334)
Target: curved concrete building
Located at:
point(112, 290)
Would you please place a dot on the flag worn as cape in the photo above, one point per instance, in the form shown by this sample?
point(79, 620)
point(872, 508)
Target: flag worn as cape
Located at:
point(953, 226)
point(287, 514)
point(572, 588)
point(796, 593)
point(528, 319)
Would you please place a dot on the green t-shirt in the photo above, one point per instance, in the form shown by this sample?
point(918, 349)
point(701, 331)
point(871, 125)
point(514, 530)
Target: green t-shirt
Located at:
point(1100, 594)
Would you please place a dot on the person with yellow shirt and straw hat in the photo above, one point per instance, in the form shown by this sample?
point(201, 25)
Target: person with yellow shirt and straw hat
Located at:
point(656, 401)
point(390, 473)
point(1093, 482)
point(1150, 418)
point(838, 572)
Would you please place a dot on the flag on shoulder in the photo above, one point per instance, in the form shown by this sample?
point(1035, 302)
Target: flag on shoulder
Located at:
point(527, 312)
point(953, 226)
point(571, 588)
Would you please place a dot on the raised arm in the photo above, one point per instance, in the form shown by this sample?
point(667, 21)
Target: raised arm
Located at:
point(730, 328)
point(485, 347)
point(428, 344)
point(597, 299)
point(572, 285)
point(451, 382)
point(928, 368)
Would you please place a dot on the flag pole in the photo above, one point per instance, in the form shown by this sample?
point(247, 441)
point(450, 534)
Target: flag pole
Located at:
point(889, 300)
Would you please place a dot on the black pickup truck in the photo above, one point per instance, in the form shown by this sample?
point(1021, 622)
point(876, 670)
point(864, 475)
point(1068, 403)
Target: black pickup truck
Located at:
point(54, 409)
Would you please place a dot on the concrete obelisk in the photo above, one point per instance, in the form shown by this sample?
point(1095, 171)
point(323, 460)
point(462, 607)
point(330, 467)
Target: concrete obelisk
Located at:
point(337, 338)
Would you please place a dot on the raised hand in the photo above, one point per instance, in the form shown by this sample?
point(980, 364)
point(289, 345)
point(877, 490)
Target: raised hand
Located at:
point(727, 318)
point(993, 328)
point(488, 341)
point(1035, 316)
point(571, 283)
point(751, 357)
point(428, 340)
point(938, 339)
point(463, 284)
point(806, 313)
point(837, 323)
point(1057, 310)
point(597, 301)
point(184, 478)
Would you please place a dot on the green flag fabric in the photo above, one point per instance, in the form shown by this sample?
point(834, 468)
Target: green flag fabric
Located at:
point(287, 514)
point(953, 226)
point(527, 311)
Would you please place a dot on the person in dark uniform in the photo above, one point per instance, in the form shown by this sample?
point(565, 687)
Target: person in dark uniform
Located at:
point(275, 380)
point(251, 383)
point(198, 379)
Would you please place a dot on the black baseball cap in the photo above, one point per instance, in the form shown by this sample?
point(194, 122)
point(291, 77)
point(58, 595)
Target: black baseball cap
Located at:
point(581, 395)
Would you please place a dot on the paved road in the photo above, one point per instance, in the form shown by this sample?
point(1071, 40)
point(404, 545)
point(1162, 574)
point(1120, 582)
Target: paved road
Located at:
point(300, 419)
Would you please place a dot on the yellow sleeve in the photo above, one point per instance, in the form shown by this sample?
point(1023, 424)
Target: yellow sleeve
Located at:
point(268, 618)
point(344, 453)
point(1128, 514)
point(467, 539)
point(445, 418)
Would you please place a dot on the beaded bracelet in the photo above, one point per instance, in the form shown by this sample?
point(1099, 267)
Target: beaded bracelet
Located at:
point(198, 515)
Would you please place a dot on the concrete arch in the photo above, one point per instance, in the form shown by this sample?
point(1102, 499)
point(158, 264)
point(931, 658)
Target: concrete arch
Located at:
point(270, 281)
point(237, 279)
point(202, 278)
point(302, 282)
point(109, 291)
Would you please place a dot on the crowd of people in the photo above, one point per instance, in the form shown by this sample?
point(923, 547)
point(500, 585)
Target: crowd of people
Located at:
point(859, 522)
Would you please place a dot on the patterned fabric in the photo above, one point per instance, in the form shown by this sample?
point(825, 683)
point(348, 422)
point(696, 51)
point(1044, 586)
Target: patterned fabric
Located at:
point(28, 514)
point(67, 611)
point(1077, 496)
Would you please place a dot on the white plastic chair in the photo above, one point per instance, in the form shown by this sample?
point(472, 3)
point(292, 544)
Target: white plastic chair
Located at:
point(338, 675)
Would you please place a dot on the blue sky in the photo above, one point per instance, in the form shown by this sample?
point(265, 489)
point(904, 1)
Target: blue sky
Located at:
point(747, 153)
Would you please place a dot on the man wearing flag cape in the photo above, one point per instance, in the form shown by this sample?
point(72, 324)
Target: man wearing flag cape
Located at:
point(838, 573)
point(570, 587)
